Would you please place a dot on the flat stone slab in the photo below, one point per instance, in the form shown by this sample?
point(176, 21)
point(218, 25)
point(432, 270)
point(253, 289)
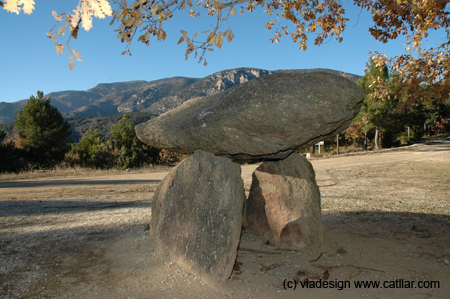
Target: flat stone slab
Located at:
point(266, 118)
point(197, 216)
point(284, 203)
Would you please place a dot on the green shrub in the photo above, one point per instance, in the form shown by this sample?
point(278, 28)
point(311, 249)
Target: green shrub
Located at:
point(92, 152)
point(131, 157)
point(11, 157)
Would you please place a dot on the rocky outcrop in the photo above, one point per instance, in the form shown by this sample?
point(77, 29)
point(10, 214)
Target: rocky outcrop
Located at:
point(197, 216)
point(284, 203)
point(266, 118)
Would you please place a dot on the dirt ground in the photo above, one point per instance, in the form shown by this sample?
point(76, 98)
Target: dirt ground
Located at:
point(386, 218)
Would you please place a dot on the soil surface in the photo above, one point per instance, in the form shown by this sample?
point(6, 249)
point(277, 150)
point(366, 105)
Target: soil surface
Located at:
point(386, 218)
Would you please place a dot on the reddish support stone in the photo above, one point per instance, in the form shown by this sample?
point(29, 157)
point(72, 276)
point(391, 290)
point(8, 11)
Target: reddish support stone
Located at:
point(284, 203)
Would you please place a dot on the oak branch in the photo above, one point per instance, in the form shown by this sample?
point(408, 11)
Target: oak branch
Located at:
point(422, 72)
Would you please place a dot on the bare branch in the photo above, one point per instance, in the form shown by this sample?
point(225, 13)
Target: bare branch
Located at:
point(229, 4)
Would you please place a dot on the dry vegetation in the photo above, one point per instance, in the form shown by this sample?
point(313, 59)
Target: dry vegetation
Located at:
point(83, 235)
point(70, 171)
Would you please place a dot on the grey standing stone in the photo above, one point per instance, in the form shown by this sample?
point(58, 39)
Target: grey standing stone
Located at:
point(266, 118)
point(197, 216)
point(284, 203)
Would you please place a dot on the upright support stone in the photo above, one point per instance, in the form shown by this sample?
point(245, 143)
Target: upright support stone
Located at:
point(197, 216)
point(284, 203)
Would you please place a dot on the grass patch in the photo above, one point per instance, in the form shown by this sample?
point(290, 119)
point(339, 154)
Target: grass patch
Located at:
point(341, 251)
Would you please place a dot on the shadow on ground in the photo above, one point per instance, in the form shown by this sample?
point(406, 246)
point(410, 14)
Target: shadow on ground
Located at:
point(117, 260)
point(45, 207)
point(43, 183)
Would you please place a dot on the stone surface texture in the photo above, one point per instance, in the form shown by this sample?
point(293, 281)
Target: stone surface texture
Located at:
point(197, 216)
point(266, 118)
point(284, 203)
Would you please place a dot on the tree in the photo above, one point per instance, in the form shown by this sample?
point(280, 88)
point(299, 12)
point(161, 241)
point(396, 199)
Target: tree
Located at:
point(438, 117)
point(44, 133)
point(376, 113)
point(372, 110)
point(424, 118)
point(90, 149)
point(123, 133)
point(2, 135)
point(420, 64)
point(132, 152)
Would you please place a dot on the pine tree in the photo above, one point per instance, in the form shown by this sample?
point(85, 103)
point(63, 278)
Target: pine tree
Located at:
point(376, 113)
point(43, 131)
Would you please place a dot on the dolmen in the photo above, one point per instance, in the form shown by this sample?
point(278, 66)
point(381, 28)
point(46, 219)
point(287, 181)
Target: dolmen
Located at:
point(198, 209)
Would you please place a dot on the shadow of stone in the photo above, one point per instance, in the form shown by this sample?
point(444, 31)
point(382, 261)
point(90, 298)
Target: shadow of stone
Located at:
point(45, 207)
point(377, 216)
point(389, 224)
point(42, 183)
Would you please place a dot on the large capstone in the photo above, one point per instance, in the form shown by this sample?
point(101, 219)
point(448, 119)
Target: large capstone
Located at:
point(266, 118)
point(197, 216)
point(284, 203)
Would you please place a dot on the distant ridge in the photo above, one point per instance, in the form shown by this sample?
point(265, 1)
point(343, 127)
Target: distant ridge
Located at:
point(150, 97)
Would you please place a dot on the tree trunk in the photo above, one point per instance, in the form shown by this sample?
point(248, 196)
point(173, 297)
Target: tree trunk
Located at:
point(365, 141)
point(337, 143)
point(313, 149)
point(377, 137)
point(426, 129)
point(409, 133)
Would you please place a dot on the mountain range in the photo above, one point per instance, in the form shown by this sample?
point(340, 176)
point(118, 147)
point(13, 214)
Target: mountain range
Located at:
point(151, 97)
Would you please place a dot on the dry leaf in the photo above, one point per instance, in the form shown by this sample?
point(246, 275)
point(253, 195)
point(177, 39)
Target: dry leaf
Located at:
point(59, 48)
point(71, 64)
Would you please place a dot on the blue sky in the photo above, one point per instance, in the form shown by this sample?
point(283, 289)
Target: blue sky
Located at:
point(29, 62)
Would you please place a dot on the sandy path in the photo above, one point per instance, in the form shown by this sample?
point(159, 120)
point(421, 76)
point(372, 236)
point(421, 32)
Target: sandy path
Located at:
point(386, 217)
